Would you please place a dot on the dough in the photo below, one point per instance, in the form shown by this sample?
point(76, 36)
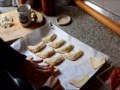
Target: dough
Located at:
point(54, 60)
point(46, 53)
point(74, 55)
point(29, 58)
point(96, 62)
point(65, 49)
point(49, 38)
point(56, 44)
point(79, 82)
point(40, 46)
point(6, 21)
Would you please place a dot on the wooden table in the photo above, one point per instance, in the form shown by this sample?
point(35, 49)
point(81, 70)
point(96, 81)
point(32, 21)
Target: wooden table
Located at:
point(17, 30)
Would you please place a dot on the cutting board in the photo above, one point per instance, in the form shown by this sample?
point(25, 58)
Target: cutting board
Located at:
point(17, 30)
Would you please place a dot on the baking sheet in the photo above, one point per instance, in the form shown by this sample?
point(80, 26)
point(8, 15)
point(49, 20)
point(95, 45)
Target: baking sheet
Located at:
point(69, 69)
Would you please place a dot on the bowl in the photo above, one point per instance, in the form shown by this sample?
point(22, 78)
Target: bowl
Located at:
point(63, 20)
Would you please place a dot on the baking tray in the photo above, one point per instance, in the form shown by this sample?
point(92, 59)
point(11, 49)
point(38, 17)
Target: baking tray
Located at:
point(68, 69)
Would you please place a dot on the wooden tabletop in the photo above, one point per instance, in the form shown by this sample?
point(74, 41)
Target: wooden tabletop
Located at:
point(17, 30)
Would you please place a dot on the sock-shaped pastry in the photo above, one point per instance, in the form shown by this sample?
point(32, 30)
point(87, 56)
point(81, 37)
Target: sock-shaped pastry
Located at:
point(56, 44)
point(96, 62)
point(74, 55)
point(54, 60)
point(65, 49)
point(36, 48)
point(46, 53)
point(49, 38)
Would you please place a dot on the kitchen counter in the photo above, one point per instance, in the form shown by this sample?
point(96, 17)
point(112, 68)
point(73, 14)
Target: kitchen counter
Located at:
point(86, 29)
point(91, 32)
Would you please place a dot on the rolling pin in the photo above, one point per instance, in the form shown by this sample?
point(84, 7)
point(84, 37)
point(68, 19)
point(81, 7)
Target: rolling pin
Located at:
point(98, 16)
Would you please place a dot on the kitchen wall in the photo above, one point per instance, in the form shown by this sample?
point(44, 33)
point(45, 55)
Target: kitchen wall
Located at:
point(63, 2)
point(5, 3)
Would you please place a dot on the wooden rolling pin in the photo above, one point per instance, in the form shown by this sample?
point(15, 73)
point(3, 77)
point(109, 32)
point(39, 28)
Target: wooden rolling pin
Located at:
point(98, 16)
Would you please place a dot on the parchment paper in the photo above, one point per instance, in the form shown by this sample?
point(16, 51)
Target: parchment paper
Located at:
point(69, 69)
